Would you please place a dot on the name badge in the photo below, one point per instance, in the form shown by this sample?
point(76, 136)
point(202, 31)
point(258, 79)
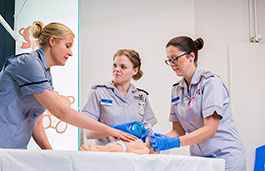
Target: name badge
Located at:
point(107, 102)
point(175, 100)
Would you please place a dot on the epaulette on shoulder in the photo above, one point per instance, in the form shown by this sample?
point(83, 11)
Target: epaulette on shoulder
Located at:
point(142, 91)
point(175, 84)
point(207, 74)
point(98, 85)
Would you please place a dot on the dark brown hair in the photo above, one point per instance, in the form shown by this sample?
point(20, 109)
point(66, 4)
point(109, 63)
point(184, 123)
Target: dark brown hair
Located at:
point(186, 44)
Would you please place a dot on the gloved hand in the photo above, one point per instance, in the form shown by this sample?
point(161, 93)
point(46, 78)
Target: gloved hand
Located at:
point(125, 127)
point(162, 142)
point(143, 137)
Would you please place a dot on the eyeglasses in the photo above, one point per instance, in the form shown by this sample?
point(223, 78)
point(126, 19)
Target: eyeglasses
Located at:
point(175, 58)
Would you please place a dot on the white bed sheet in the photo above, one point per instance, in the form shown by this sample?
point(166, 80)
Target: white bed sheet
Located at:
point(37, 160)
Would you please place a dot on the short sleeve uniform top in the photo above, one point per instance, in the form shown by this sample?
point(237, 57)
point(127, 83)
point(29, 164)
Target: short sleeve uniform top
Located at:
point(191, 105)
point(106, 104)
point(22, 76)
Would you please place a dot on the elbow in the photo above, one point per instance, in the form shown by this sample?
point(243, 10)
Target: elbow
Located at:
point(59, 116)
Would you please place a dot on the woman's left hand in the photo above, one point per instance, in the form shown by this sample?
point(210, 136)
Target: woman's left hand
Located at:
point(162, 142)
point(118, 134)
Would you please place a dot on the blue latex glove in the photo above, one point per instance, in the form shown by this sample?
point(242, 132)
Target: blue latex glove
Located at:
point(125, 127)
point(162, 142)
point(143, 137)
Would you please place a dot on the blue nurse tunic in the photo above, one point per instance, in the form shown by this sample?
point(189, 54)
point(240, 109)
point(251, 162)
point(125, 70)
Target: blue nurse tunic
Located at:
point(22, 76)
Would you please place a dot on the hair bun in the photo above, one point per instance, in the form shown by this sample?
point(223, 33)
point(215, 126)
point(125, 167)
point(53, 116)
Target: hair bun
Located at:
point(36, 29)
point(199, 43)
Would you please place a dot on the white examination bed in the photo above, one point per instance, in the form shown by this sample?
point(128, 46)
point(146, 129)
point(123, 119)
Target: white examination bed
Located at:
point(37, 160)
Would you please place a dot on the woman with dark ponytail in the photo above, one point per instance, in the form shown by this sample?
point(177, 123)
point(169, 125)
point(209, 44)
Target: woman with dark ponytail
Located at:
point(200, 109)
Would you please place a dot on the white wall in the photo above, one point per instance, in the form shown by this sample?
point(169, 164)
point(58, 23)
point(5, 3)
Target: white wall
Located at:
point(105, 27)
point(219, 23)
point(248, 96)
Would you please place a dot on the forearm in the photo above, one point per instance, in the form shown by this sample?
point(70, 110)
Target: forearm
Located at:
point(95, 135)
point(80, 120)
point(204, 133)
point(198, 136)
point(173, 133)
point(39, 134)
point(51, 102)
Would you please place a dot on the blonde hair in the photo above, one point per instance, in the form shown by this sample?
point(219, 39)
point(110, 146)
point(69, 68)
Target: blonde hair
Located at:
point(134, 57)
point(43, 33)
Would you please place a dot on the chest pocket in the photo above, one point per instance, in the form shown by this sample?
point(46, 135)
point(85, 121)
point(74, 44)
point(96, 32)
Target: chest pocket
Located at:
point(110, 110)
point(107, 106)
point(179, 104)
point(106, 102)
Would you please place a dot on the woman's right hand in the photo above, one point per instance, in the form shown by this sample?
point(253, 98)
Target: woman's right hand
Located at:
point(118, 134)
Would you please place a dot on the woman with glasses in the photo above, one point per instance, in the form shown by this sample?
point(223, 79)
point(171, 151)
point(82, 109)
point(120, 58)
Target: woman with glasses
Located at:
point(200, 109)
point(119, 101)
